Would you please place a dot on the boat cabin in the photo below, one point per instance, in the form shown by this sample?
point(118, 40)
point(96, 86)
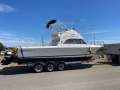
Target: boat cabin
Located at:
point(69, 36)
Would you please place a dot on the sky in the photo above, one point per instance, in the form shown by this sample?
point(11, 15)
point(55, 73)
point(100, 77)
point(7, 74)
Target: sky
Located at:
point(24, 21)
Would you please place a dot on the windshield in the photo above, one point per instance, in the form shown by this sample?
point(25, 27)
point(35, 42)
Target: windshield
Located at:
point(74, 41)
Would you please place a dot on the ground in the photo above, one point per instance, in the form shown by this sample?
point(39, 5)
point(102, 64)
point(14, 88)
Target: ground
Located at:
point(75, 77)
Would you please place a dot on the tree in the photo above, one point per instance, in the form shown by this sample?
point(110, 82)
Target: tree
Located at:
point(2, 47)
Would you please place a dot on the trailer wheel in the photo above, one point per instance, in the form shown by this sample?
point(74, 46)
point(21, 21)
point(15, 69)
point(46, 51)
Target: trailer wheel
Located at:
point(50, 67)
point(38, 68)
point(61, 66)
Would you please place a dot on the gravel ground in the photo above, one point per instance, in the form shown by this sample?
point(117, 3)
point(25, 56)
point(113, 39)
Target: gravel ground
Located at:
point(75, 77)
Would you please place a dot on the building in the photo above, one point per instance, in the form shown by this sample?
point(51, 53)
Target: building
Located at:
point(113, 52)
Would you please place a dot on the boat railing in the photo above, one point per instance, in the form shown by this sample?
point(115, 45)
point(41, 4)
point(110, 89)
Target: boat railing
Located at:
point(46, 43)
point(97, 42)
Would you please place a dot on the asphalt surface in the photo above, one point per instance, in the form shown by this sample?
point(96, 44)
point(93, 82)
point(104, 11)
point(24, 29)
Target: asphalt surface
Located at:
point(75, 77)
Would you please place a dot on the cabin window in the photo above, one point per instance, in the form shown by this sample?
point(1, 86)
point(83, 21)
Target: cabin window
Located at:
point(74, 41)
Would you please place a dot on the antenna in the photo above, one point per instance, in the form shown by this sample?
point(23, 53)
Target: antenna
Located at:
point(94, 37)
point(42, 41)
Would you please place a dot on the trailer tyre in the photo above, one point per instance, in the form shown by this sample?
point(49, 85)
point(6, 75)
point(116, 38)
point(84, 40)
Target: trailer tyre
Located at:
point(61, 66)
point(50, 67)
point(38, 68)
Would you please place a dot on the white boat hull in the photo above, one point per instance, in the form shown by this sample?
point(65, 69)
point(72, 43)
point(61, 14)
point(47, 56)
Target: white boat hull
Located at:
point(53, 52)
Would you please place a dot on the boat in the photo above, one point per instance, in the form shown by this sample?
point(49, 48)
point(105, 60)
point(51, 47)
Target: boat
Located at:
point(66, 45)
point(69, 45)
